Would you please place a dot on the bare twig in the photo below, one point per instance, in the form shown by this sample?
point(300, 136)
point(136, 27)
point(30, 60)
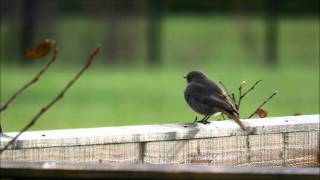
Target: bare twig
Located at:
point(230, 96)
point(241, 96)
point(234, 100)
point(233, 97)
point(252, 87)
point(263, 103)
point(28, 84)
point(225, 88)
point(32, 81)
point(58, 97)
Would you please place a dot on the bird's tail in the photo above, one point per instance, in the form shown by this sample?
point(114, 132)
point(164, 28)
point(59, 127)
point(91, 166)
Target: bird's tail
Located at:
point(236, 118)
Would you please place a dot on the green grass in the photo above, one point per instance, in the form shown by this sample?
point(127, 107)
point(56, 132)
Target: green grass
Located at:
point(105, 97)
point(130, 94)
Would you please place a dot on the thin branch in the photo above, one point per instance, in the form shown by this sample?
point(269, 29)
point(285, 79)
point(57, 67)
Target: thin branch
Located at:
point(252, 87)
point(241, 96)
point(32, 81)
point(263, 103)
point(58, 97)
point(225, 88)
point(232, 98)
point(240, 93)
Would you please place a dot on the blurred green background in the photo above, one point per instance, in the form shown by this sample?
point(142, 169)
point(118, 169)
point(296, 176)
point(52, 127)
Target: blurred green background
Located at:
point(147, 48)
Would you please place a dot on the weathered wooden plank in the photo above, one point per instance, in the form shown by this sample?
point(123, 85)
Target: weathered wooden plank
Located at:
point(10, 169)
point(281, 141)
point(122, 153)
point(164, 132)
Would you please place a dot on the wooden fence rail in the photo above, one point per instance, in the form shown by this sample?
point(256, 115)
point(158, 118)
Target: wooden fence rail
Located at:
point(277, 141)
point(54, 170)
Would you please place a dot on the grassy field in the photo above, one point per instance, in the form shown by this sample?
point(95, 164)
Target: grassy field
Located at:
point(105, 97)
point(112, 96)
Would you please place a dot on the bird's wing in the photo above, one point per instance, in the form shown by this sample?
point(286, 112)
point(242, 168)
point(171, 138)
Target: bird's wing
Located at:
point(205, 95)
point(215, 87)
point(218, 101)
point(222, 93)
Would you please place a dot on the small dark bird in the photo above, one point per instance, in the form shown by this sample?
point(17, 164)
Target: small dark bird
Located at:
point(207, 98)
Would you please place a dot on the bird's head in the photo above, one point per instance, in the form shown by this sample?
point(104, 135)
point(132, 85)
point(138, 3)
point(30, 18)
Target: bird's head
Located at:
point(195, 76)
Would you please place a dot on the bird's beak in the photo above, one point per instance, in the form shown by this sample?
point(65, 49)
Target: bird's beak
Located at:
point(185, 77)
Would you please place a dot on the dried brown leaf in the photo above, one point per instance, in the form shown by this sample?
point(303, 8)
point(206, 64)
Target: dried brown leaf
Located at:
point(261, 113)
point(42, 49)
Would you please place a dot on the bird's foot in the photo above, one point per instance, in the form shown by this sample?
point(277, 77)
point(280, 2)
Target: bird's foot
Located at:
point(204, 121)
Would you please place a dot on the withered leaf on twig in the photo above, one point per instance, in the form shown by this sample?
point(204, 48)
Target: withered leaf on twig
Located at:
point(42, 49)
point(261, 113)
point(55, 99)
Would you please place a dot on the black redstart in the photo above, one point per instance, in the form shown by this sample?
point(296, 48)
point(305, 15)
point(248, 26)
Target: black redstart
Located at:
point(207, 98)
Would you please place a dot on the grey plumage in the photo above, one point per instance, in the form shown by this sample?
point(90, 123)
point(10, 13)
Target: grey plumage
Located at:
point(207, 98)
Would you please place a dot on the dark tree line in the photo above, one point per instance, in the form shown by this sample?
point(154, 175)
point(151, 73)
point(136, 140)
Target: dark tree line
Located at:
point(29, 18)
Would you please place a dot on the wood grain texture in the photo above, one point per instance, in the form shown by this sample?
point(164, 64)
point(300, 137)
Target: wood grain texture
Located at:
point(278, 141)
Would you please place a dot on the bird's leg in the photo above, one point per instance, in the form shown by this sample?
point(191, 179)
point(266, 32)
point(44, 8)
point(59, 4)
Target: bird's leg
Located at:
point(204, 120)
point(196, 119)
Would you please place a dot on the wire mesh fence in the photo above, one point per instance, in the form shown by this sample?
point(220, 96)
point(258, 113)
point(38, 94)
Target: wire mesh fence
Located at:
point(280, 141)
